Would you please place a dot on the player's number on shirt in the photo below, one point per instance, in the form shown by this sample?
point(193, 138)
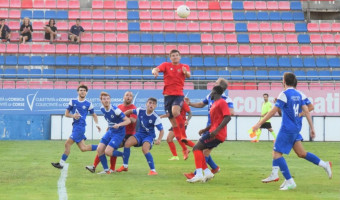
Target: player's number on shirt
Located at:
point(296, 109)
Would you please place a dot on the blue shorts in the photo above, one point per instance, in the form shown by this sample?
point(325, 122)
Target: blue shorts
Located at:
point(170, 101)
point(141, 138)
point(78, 133)
point(113, 138)
point(208, 142)
point(284, 142)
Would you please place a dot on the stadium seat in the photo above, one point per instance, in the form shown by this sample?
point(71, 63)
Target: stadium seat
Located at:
point(97, 49)
point(149, 86)
point(249, 75)
point(85, 49)
point(312, 76)
point(263, 16)
point(309, 62)
point(327, 86)
point(243, 38)
point(336, 77)
point(136, 74)
point(197, 62)
point(99, 61)
point(306, 50)
point(135, 62)
point(229, 27)
point(188, 86)
point(325, 75)
point(169, 26)
point(297, 62)
point(34, 85)
point(232, 50)
point(23, 60)
point(11, 60)
point(74, 4)
point(22, 73)
point(35, 60)
point(136, 85)
point(236, 75)
point(12, 48)
point(236, 86)
point(220, 50)
point(234, 62)
point(250, 86)
point(59, 73)
point(304, 39)
point(147, 75)
point(86, 61)
point(269, 50)
point(318, 50)
point(289, 27)
point(335, 27)
point(123, 62)
point(259, 62)
point(327, 38)
point(247, 62)
point(50, 85)
point(322, 62)
point(209, 62)
point(281, 50)
point(49, 60)
point(263, 86)
point(253, 27)
point(241, 27)
point(267, 38)
point(110, 74)
point(276, 27)
point(279, 38)
point(123, 85)
point(61, 61)
point(198, 75)
point(272, 62)
point(21, 85)
point(275, 75)
point(230, 38)
point(72, 49)
point(334, 62)
point(224, 74)
point(206, 50)
point(300, 75)
point(215, 16)
point(206, 38)
point(264, 27)
point(244, 50)
point(111, 85)
point(133, 26)
point(257, 50)
point(73, 61)
point(98, 85)
point(216, 38)
point(291, 38)
point(60, 48)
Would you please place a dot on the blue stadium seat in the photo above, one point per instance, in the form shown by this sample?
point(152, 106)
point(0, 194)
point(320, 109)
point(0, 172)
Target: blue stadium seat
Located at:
point(38, 14)
point(195, 38)
point(236, 75)
point(159, 60)
point(1, 73)
point(239, 16)
point(211, 74)
point(301, 27)
point(272, 62)
point(136, 74)
point(23, 60)
point(186, 60)
point(249, 75)
point(146, 37)
point(60, 73)
point(197, 62)
point(26, 13)
point(123, 61)
point(222, 61)
point(11, 60)
point(274, 75)
point(241, 27)
point(111, 61)
point(35, 73)
point(50, 14)
point(182, 38)
point(243, 38)
point(312, 75)
point(295, 5)
point(300, 75)
point(247, 62)
point(98, 61)
point(133, 15)
point(275, 16)
point(303, 39)
point(237, 5)
point(148, 62)
point(158, 37)
point(147, 75)
point(322, 62)
point(132, 5)
point(73, 61)
point(298, 16)
point(36, 60)
point(170, 37)
point(259, 62)
point(49, 60)
point(297, 62)
point(61, 61)
point(309, 62)
point(23, 73)
point(262, 16)
point(134, 26)
point(261, 75)
point(48, 73)
point(85, 74)
point(286, 16)
point(86, 61)
point(334, 62)
point(199, 73)
point(135, 61)
point(110, 74)
point(2, 60)
point(284, 62)
point(251, 16)
point(224, 74)
point(209, 62)
point(98, 74)
point(62, 15)
point(123, 73)
point(325, 75)
point(134, 37)
point(10, 73)
point(73, 73)
point(234, 62)
point(336, 75)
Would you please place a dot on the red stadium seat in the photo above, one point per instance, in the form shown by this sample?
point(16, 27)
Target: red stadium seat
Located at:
point(276, 86)
point(291, 38)
point(122, 37)
point(111, 85)
point(21, 85)
point(206, 38)
point(159, 85)
point(144, 5)
point(229, 27)
point(156, 5)
point(294, 50)
point(86, 37)
point(73, 49)
point(220, 50)
point(2, 48)
point(122, 85)
point(250, 86)
point(191, 4)
point(12, 48)
point(325, 27)
point(47, 85)
point(26, 4)
point(14, 25)
point(261, 5)
point(232, 50)
point(15, 4)
point(147, 49)
point(284, 5)
point(62, 26)
point(14, 37)
point(289, 27)
point(217, 27)
point(327, 38)
point(145, 26)
point(227, 16)
point(168, 48)
point(253, 27)
point(14, 14)
point(59, 85)
point(110, 49)
point(168, 15)
point(248, 5)
point(122, 49)
point(110, 26)
point(337, 86)
point(257, 50)
point(263, 86)
point(315, 38)
point(97, 4)
point(318, 50)
point(98, 26)
point(170, 26)
point(109, 15)
point(255, 38)
point(85, 15)
point(136, 85)
point(313, 27)
point(210, 85)
point(98, 37)
point(265, 27)
point(225, 5)
point(193, 27)
point(60, 49)
point(244, 50)
point(8, 85)
point(110, 37)
point(98, 85)
point(97, 49)
point(331, 50)
point(335, 27)
point(203, 16)
point(302, 86)
point(4, 14)
point(277, 27)
point(216, 16)
point(24, 48)
point(231, 38)
point(34, 85)
point(218, 38)
point(109, 4)
point(181, 27)
point(134, 49)
point(306, 50)
point(62, 4)
point(97, 15)
point(85, 49)
point(315, 86)
point(121, 15)
point(337, 38)
point(72, 84)
point(38, 4)
point(327, 86)
point(157, 15)
point(184, 49)
point(157, 26)
point(269, 50)
point(279, 38)
point(267, 38)
point(189, 86)
point(74, 4)
point(272, 5)
point(159, 49)
point(236, 86)
point(195, 49)
point(63, 37)
point(86, 25)
point(73, 14)
point(208, 50)
point(149, 86)
point(281, 50)
point(37, 49)
point(202, 5)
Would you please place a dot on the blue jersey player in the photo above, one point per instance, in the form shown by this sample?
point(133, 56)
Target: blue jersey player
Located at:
point(291, 102)
point(144, 137)
point(78, 110)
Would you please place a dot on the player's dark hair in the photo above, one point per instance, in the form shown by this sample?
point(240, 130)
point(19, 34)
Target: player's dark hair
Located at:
point(83, 86)
point(152, 99)
point(295, 83)
point(174, 51)
point(265, 94)
point(289, 78)
point(218, 89)
point(49, 22)
point(78, 19)
point(223, 84)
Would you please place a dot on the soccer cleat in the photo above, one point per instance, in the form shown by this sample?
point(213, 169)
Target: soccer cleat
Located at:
point(174, 158)
point(214, 171)
point(105, 172)
point(186, 154)
point(91, 168)
point(288, 185)
point(196, 179)
point(57, 165)
point(152, 173)
point(184, 140)
point(271, 178)
point(254, 141)
point(328, 169)
point(112, 171)
point(189, 175)
point(122, 169)
point(284, 182)
point(208, 177)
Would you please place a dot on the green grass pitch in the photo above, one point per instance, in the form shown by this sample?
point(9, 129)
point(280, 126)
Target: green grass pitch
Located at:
point(26, 173)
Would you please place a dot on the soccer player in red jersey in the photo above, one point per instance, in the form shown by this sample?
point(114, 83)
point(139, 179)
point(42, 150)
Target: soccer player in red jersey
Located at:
point(130, 130)
point(174, 76)
point(217, 133)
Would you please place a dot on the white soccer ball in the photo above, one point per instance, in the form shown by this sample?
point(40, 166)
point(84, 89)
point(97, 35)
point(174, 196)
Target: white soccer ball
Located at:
point(183, 11)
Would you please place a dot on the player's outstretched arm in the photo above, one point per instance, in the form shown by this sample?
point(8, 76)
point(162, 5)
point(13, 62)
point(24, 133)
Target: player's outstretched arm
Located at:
point(126, 121)
point(159, 139)
point(95, 119)
point(310, 122)
point(128, 112)
point(155, 72)
point(195, 105)
point(224, 122)
point(269, 115)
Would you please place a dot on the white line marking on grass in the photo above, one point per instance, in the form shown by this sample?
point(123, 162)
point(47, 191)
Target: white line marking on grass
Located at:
point(62, 183)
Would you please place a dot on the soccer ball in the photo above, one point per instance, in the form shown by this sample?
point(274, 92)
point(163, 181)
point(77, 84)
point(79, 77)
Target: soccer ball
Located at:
point(183, 11)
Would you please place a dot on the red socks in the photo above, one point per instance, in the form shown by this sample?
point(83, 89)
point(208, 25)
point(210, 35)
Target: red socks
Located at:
point(199, 157)
point(181, 126)
point(113, 162)
point(172, 148)
point(184, 148)
point(96, 161)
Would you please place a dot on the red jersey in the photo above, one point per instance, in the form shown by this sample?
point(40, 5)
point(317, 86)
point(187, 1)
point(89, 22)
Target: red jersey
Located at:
point(173, 78)
point(131, 128)
point(184, 110)
point(217, 112)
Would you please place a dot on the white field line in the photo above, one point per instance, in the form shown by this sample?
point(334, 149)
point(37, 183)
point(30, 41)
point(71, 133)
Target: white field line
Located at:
point(62, 183)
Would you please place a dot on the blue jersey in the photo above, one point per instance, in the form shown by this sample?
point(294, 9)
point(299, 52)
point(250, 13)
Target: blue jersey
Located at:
point(113, 116)
point(147, 122)
point(82, 108)
point(290, 102)
point(209, 102)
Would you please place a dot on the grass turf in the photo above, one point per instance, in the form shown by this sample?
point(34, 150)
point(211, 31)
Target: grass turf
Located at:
point(26, 173)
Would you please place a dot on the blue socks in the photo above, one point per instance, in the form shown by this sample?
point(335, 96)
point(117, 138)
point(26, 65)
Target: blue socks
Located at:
point(210, 162)
point(64, 157)
point(312, 158)
point(126, 155)
point(275, 163)
point(117, 153)
point(94, 147)
point(283, 167)
point(104, 161)
point(149, 158)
